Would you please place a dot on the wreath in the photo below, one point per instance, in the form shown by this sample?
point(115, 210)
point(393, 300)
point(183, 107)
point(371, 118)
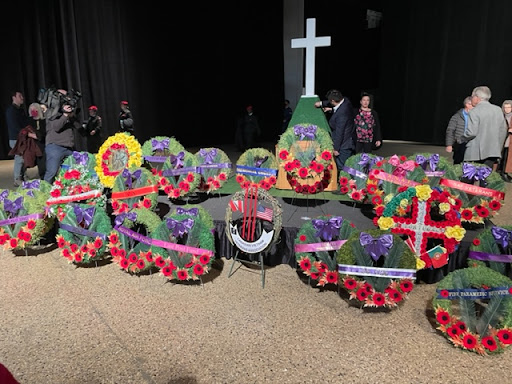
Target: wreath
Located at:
point(186, 236)
point(434, 165)
point(180, 176)
point(473, 308)
point(492, 248)
point(79, 158)
point(215, 168)
point(390, 176)
point(253, 220)
point(118, 152)
point(82, 237)
point(134, 188)
point(353, 177)
point(256, 166)
point(22, 219)
point(429, 218)
point(477, 202)
point(305, 152)
point(157, 149)
point(316, 245)
point(35, 186)
point(376, 268)
point(130, 241)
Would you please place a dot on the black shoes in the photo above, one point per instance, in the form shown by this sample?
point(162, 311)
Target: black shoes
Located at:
point(506, 178)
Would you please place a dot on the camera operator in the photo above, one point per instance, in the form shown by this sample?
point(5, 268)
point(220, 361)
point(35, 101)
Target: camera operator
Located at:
point(60, 139)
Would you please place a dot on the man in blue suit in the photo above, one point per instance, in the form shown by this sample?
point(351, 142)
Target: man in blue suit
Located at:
point(341, 123)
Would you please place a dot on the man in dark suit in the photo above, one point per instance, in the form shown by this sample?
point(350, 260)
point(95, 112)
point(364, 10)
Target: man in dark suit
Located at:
point(341, 123)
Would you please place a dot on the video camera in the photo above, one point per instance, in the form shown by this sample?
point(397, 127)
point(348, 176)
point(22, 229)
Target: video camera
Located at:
point(55, 99)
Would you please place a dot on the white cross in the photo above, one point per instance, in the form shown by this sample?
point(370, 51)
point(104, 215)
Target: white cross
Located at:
point(310, 42)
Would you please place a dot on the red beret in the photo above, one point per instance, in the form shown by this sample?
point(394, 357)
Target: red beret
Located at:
point(93, 107)
point(124, 102)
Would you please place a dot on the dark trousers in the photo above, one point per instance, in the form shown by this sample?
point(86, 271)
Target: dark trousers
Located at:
point(363, 147)
point(458, 152)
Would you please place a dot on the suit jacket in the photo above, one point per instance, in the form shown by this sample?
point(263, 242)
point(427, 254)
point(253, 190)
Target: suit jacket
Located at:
point(486, 133)
point(342, 126)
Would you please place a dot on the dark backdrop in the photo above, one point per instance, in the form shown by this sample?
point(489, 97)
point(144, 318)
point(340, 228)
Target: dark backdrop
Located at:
point(188, 71)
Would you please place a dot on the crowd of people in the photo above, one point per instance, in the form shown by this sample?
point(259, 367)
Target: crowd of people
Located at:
point(44, 137)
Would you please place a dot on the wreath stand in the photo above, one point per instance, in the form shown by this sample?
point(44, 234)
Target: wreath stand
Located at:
point(307, 202)
point(258, 263)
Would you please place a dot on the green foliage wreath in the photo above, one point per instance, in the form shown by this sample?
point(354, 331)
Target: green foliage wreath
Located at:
point(354, 175)
point(492, 248)
point(180, 176)
point(215, 168)
point(256, 166)
point(157, 149)
point(133, 188)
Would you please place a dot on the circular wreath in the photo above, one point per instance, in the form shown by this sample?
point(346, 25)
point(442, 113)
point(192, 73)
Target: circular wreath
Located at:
point(186, 237)
point(130, 241)
point(118, 152)
point(305, 152)
point(316, 246)
point(427, 216)
point(82, 237)
point(180, 175)
point(79, 158)
point(365, 287)
point(133, 188)
point(354, 175)
point(22, 219)
point(390, 176)
point(157, 149)
point(268, 214)
point(215, 168)
point(486, 200)
point(256, 166)
point(461, 320)
point(492, 248)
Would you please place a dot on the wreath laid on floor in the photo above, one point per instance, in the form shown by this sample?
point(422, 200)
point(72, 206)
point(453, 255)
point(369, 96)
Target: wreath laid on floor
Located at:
point(353, 178)
point(118, 152)
point(156, 150)
point(180, 175)
point(492, 248)
point(477, 202)
point(130, 242)
point(376, 268)
point(256, 166)
point(316, 245)
point(22, 219)
point(186, 236)
point(305, 152)
point(82, 233)
point(434, 165)
point(473, 308)
point(215, 168)
point(430, 219)
point(79, 158)
point(134, 188)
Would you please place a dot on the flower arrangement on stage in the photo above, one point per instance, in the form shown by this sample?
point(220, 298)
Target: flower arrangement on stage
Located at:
point(82, 233)
point(353, 177)
point(473, 308)
point(430, 219)
point(316, 245)
point(215, 168)
point(180, 176)
point(478, 202)
point(434, 165)
point(492, 248)
point(156, 150)
point(118, 152)
point(188, 244)
point(376, 268)
point(79, 158)
point(305, 152)
point(22, 219)
point(256, 166)
point(130, 242)
point(136, 187)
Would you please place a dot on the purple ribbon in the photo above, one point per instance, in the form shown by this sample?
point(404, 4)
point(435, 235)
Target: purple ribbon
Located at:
point(159, 145)
point(4, 194)
point(376, 247)
point(81, 157)
point(309, 131)
point(132, 216)
point(364, 162)
point(258, 161)
point(179, 227)
point(128, 175)
point(502, 236)
point(184, 211)
point(327, 229)
point(13, 206)
point(471, 171)
point(208, 156)
point(34, 184)
point(84, 215)
point(433, 160)
point(177, 160)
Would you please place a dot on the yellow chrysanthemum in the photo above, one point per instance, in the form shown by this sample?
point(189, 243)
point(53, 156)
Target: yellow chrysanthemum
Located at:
point(423, 192)
point(385, 223)
point(420, 264)
point(456, 232)
point(404, 203)
point(388, 198)
point(444, 207)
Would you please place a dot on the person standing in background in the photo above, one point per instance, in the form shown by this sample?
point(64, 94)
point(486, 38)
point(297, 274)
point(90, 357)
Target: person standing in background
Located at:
point(17, 119)
point(36, 112)
point(248, 129)
point(287, 115)
point(457, 125)
point(92, 129)
point(367, 126)
point(505, 165)
point(126, 118)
